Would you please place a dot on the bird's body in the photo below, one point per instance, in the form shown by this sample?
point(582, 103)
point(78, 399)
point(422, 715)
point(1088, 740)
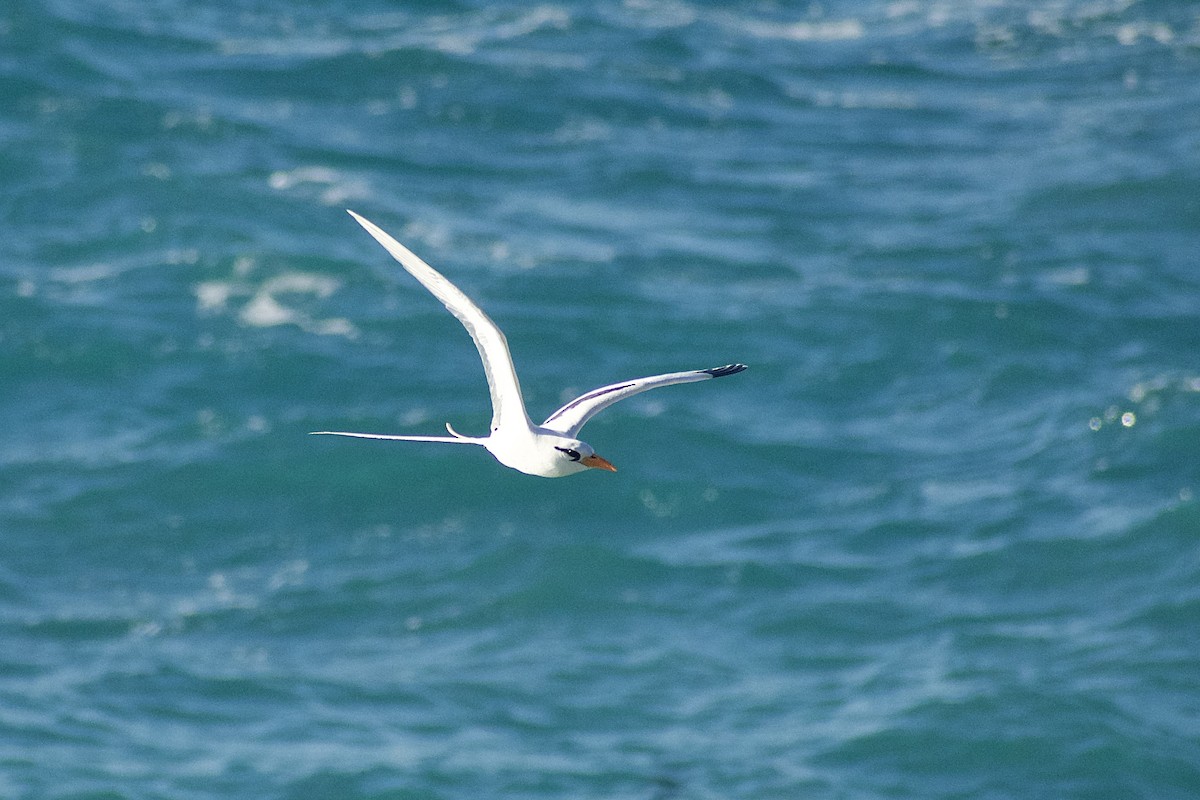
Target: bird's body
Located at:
point(550, 450)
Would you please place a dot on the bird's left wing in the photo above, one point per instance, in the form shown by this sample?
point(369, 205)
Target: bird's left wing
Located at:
point(508, 409)
point(570, 418)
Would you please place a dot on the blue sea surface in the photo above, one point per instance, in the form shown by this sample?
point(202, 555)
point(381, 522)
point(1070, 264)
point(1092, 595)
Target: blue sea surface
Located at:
point(941, 540)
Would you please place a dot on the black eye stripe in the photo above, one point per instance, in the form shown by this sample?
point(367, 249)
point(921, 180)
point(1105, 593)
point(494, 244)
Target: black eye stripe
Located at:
point(574, 454)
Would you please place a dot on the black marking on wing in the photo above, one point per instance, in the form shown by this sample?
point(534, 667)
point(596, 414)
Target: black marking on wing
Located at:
point(728, 369)
point(590, 396)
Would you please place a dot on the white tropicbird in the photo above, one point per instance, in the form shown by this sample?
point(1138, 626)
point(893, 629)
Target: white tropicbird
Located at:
point(551, 449)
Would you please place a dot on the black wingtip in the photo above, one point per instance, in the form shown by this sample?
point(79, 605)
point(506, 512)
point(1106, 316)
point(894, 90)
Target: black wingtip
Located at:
point(728, 369)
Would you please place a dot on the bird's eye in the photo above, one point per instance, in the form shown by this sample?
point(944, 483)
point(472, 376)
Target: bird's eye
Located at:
point(571, 454)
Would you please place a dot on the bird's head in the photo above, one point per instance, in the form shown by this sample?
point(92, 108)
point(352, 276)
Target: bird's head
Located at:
point(577, 452)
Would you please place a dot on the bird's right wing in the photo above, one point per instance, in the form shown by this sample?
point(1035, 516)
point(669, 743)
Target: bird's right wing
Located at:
point(508, 408)
point(570, 418)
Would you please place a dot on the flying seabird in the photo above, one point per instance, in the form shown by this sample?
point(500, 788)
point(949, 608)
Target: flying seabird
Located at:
point(551, 449)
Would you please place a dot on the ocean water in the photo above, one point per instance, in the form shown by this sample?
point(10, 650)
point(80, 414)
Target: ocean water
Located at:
point(941, 540)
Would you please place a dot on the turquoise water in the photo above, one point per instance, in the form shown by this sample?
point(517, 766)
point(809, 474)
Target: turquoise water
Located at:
point(942, 540)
